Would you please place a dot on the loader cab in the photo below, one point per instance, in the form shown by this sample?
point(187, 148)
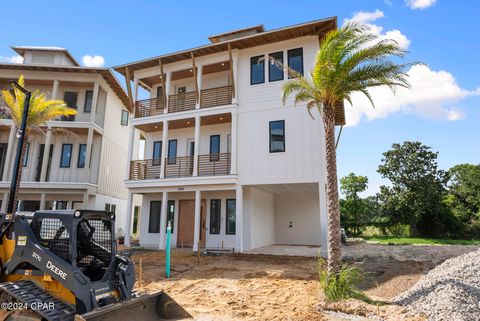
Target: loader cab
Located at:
point(82, 238)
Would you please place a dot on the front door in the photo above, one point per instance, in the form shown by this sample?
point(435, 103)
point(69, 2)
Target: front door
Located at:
point(186, 223)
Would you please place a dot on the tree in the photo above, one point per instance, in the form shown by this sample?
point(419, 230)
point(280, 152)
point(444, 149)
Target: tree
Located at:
point(40, 111)
point(415, 196)
point(350, 59)
point(353, 206)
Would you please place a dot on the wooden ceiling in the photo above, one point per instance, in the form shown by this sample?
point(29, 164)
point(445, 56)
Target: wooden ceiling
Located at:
point(187, 122)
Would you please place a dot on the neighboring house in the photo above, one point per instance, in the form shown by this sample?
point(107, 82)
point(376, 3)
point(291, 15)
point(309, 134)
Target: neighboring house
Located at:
point(80, 161)
point(224, 160)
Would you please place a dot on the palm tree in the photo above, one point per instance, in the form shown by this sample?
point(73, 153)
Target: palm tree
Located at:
point(350, 59)
point(40, 111)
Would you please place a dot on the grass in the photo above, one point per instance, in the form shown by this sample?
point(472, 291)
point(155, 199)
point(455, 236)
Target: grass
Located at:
point(418, 240)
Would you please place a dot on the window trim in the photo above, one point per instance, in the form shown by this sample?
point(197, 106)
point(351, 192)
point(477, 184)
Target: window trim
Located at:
point(251, 71)
point(122, 123)
point(288, 61)
point(269, 64)
point(226, 216)
point(219, 225)
point(69, 159)
point(85, 103)
point(270, 137)
point(80, 153)
point(157, 228)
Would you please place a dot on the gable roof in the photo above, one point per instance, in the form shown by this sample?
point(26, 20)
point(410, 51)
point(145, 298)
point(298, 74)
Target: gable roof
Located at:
point(21, 51)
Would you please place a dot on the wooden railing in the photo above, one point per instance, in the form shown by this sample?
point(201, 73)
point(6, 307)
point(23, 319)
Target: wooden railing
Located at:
point(216, 96)
point(149, 107)
point(179, 166)
point(214, 164)
point(181, 102)
point(145, 169)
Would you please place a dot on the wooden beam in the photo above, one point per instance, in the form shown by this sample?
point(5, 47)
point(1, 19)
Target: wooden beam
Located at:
point(231, 68)
point(194, 68)
point(162, 75)
point(128, 79)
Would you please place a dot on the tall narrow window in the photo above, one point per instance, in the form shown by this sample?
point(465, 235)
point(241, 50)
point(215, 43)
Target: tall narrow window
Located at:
point(257, 70)
point(25, 157)
point(172, 151)
point(295, 61)
point(113, 208)
point(170, 214)
point(66, 155)
point(275, 69)
point(157, 153)
point(215, 207)
point(61, 205)
point(107, 207)
point(124, 119)
point(214, 148)
point(231, 217)
point(70, 98)
point(88, 101)
point(277, 136)
point(82, 154)
point(154, 219)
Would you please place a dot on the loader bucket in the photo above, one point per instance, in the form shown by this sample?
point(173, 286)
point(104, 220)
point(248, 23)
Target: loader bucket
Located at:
point(155, 306)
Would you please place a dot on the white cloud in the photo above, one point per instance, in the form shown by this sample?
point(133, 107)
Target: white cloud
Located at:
point(93, 61)
point(419, 4)
point(367, 17)
point(433, 94)
point(13, 59)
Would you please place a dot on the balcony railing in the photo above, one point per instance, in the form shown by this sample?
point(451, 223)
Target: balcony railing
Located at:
point(149, 107)
point(216, 96)
point(181, 102)
point(208, 165)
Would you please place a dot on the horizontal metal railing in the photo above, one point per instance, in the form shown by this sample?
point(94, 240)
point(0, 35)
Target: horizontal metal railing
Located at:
point(214, 164)
point(181, 102)
point(149, 107)
point(216, 96)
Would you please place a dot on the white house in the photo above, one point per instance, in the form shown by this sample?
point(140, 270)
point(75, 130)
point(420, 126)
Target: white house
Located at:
point(225, 162)
point(84, 163)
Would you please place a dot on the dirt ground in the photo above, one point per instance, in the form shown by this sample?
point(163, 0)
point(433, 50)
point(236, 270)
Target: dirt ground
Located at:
point(266, 287)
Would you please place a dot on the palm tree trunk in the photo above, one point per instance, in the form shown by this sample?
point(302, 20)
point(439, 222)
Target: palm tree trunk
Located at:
point(19, 176)
point(334, 239)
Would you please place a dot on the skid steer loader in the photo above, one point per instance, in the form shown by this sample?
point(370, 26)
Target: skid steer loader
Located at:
point(64, 265)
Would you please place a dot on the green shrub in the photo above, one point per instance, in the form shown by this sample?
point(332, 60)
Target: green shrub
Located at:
point(343, 284)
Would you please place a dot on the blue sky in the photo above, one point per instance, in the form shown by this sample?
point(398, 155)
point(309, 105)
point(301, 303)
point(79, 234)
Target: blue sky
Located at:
point(442, 110)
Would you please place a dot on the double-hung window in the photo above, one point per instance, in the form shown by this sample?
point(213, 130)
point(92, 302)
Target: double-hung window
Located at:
point(66, 156)
point(277, 136)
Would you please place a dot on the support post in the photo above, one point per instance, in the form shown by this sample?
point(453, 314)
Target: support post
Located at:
point(196, 145)
point(128, 223)
point(235, 78)
point(239, 218)
point(196, 231)
point(230, 58)
point(233, 145)
point(128, 80)
point(6, 168)
point(43, 201)
point(168, 83)
point(163, 220)
point(195, 80)
point(163, 162)
point(199, 82)
point(3, 209)
point(56, 84)
point(131, 143)
point(96, 89)
point(163, 76)
point(322, 198)
point(88, 152)
point(46, 154)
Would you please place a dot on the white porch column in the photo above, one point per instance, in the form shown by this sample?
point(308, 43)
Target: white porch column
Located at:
point(168, 83)
point(46, 154)
point(199, 85)
point(43, 201)
point(56, 84)
point(164, 149)
point(322, 197)
point(233, 146)
point(93, 111)
point(196, 145)
point(3, 209)
point(128, 223)
point(163, 220)
point(88, 152)
point(10, 147)
point(85, 200)
point(196, 231)
point(131, 143)
point(239, 218)
point(135, 90)
point(235, 75)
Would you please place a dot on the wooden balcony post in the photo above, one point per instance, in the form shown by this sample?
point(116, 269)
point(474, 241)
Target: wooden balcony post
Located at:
point(128, 80)
point(56, 84)
point(93, 110)
point(162, 76)
point(194, 69)
point(233, 145)
point(168, 82)
point(196, 145)
point(131, 138)
point(163, 162)
point(199, 86)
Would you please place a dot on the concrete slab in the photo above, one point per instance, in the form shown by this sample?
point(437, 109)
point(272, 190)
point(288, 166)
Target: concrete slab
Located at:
point(288, 250)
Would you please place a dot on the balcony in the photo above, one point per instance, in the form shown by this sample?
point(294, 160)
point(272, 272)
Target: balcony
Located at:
point(181, 102)
point(177, 167)
point(149, 107)
point(216, 96)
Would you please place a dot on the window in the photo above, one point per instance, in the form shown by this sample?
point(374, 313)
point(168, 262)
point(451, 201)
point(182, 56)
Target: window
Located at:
point(170, 214)
point(160, 98)
point(215, 207)
point(214, 148)
point(275, 66)
point(231, 217)
point(82, 153)
point(77, 205)
point(124, 119)
point(25, 157)
point(157, 153)
point(257, 70)
point(113, 208)
point(277, 136)
point(172, 151)
point(107, 207)
point(70, 98)
point(295, 61)
point(88, 101)
point(61, 205)
point(66, 155)
point(154, 219)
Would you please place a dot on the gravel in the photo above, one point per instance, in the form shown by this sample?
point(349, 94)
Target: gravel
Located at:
point(451, 291)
